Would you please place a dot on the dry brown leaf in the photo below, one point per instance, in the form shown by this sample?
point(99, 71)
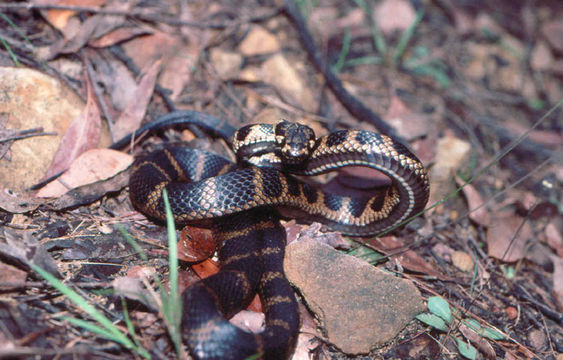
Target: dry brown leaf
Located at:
point(259, 41)
point(410, 125)
point(227, 64)
point(131, 118)
point(281, 74)
point(82, 134)
point(477, 212)
point(59, 18)
point(553, 32)
point(451, 153)
point(403, 15)
point(541, 57)
point(503, 241)
point(23, 247)
point(408, 259)
point(554, 238)
point(91, 166)
point(558, 280)
point(178, 58)
point(479, 341)
point(11, 277)
point(206, 268)
point(91, 192)
point(132, 288)
point(17, 203)
point(548, 138)
point(119, 35)
point(196, 244)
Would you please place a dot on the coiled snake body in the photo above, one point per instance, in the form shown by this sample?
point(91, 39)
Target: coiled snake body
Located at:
point(239, 202)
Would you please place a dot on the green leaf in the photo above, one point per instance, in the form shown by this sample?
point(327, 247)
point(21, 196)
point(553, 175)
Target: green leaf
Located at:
point(433, 320)
point(438, 306)
point(510, 272)
point(492, 334)
point(473, 324)
point(465, 349)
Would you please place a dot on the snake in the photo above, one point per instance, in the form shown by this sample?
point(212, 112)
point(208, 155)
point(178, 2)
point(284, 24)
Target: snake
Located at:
point(242, 203)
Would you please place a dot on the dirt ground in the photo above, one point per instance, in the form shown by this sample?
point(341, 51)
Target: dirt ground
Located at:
point(473, 87)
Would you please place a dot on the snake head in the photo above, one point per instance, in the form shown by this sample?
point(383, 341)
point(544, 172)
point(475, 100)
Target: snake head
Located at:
point(295, 142)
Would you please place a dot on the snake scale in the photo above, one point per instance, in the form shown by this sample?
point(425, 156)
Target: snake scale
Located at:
point(240, 203)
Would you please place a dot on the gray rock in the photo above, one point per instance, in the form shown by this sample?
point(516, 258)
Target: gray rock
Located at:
point(358, 305)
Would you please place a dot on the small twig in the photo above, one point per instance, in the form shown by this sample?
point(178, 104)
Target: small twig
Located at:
point(23, 134)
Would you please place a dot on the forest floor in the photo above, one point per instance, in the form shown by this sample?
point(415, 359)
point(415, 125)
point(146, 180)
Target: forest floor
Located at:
point(473, 87)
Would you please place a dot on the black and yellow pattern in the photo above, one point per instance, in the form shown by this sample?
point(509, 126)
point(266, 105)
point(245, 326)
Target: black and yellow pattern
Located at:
point(239, 202)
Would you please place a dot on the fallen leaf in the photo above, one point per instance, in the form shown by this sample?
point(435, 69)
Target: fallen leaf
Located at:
point(120, 35)
point(259, 41)
point(504, 243)
point(195, 244)
point(553, 32)
point(59, 18)
point(17, 203)
point(451, 154)
point(91, 166)
point(178, 58)
point(403, 15)
point(410, 125)
point(227, 64)
point(397, 250)
point(93, 27)
point(133, 288)
point(22, 247)
point(554, 238)
point(206, 268)
point(480, 342)
point(558, 281)
point(541, 57)
point(89, 193)
point(11, 277)
point(134, 113)
point(477, 211)
point(281, 74)
point(82, 134)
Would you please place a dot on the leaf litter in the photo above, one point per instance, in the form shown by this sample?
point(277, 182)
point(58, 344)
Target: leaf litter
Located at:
point(474, 250)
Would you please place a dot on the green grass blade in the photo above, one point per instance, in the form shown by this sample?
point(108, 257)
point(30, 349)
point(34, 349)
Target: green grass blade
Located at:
point(80, 302)
point(377, 35)
point(132, 242)
point(9, 50)
point(343, 53)
point(172, 304)
point(405, 38)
